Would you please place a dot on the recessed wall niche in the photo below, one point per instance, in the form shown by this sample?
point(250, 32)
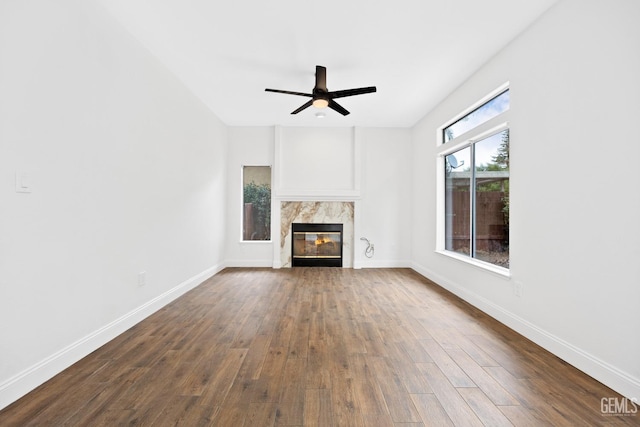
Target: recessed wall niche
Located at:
point(324, 163)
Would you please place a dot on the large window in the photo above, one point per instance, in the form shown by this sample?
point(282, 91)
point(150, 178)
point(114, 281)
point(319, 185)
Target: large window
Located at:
point(475, 154)
point(256, 203)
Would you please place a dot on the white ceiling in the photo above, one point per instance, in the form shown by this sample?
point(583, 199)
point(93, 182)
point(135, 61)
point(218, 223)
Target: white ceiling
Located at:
point(415, 51)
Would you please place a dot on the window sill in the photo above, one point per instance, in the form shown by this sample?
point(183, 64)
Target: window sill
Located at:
point(500, 271)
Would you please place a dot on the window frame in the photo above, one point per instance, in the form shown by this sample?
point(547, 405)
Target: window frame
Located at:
point(495, 125)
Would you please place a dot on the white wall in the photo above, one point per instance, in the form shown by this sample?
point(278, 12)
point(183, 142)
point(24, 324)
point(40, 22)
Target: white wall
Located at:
point(384, 213)
point(248, 146)
point(317, 163)
point(365, 165)
point(127, 174)
point(574, 197)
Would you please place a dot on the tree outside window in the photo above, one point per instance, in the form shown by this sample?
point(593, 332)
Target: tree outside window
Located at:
point(256, 213)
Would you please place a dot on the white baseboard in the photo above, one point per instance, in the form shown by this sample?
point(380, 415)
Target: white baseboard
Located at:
point(382, 263)
point(609, 375)
point(356, 264)
point(249, 263)
point(27, 380)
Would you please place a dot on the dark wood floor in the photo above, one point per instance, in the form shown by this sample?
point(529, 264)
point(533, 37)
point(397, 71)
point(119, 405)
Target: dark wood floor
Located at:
point(317, 347)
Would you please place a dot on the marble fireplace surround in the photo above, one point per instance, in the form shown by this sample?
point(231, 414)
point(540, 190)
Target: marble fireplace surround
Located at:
point(316, 212)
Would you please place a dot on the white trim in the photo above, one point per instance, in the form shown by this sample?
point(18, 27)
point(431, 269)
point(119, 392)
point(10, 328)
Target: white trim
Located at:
point(241, 204)
point(478, 133)
point(276, 231)
point(357, 139)
point(277, 161)
point(501, 271)
point(383, 263)
point(27, 380)
point(318, 196)
point(620, 381)
point(249, 263)
point(356, 255)
point(440, 204)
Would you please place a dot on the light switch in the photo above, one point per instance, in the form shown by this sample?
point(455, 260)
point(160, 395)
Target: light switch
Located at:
point(23, 182)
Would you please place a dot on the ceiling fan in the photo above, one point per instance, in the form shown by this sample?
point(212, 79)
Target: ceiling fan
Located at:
point(321, 97)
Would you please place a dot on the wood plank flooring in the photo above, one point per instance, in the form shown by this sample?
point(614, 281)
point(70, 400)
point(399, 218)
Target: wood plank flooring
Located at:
point(317, 347)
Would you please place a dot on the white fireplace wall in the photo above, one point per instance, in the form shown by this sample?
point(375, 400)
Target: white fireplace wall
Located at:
point(370, 171)
point(317, 164)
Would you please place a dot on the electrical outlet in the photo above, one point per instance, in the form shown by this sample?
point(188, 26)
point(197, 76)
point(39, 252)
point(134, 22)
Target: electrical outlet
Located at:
point(517, 289)
point(142, 278)
point(23, 182)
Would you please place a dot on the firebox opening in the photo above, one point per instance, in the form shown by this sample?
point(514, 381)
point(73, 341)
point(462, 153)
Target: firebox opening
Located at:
point(316, 245)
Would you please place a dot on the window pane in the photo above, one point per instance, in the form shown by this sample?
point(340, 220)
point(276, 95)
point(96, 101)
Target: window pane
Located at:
point(256, 214)
point(491, 227)
point(478, 116)
point(457, 201)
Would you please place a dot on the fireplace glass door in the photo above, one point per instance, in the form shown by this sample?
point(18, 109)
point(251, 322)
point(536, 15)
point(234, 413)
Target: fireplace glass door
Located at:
point(317, 245)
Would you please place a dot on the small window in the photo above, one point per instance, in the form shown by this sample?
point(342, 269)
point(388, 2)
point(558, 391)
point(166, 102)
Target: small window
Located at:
point(256, 203)
point(485, 112)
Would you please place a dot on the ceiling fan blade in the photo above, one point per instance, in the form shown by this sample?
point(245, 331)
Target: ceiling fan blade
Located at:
point(288, 92)
point(322, 95)
point(352, 92)
point(321, 78)
point(339, 108)
point(305, 105)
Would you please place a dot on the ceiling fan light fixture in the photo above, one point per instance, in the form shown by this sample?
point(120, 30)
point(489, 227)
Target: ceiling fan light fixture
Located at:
point(321, 97)
point(320, 103)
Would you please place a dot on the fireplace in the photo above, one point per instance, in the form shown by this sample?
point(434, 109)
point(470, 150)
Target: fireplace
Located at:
point(316, 245)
